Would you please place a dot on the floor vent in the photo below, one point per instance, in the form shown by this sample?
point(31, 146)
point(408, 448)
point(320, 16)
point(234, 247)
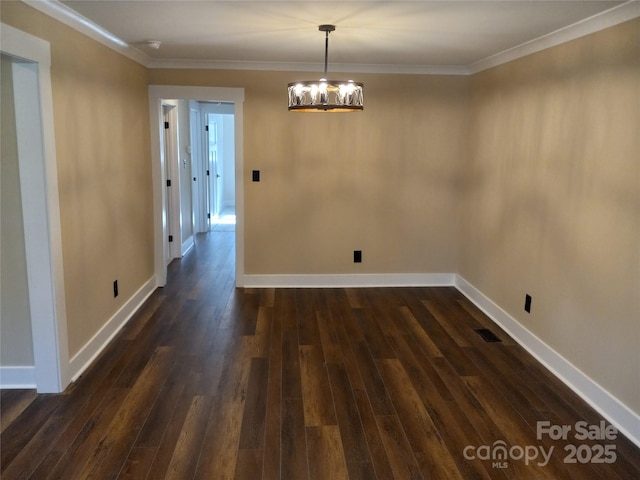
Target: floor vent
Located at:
point(487, 335)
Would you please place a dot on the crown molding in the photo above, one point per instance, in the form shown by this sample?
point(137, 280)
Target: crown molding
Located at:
point(71, 18)
point(609, 18)
point(614, 16)
point(311, 67)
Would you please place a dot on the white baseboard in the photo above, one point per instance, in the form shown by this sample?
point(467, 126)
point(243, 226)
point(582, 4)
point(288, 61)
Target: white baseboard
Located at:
point(100, 340)
point(617, 413)
point(349, 280)
point(17, 377)
point(187, 245)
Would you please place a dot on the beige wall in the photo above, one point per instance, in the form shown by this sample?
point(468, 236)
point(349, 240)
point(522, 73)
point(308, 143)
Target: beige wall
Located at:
point(552, 204)
point(16, 348)
point(383, 181)
point(101, 120)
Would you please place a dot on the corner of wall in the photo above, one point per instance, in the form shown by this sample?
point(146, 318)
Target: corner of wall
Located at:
point(624, 419)
point(90, 351)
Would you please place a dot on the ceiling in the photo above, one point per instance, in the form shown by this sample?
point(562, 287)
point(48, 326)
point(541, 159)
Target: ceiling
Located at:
point(381, 36)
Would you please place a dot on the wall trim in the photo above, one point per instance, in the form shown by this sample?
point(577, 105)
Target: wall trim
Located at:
point(621, 416)
point(310, 67)
point(90, 351)
point(66, 15)
point(609, 18)
point(350, 280)
point(18, 377)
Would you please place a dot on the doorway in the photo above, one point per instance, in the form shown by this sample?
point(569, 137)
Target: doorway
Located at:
point(26, 64)
point(218, 123)
point(233, 98)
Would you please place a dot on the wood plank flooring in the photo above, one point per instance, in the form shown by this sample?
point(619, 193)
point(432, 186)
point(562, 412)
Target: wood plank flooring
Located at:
point(212, 382)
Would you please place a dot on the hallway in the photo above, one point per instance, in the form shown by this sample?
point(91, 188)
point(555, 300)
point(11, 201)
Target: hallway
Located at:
point(212, 382)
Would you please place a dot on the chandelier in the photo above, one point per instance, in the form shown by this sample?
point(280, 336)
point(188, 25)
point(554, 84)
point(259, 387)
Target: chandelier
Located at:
point(325, 95)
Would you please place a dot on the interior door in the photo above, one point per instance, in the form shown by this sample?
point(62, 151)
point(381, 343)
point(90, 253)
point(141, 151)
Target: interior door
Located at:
point(198, 169)
point(172, 176)
point(213, 168)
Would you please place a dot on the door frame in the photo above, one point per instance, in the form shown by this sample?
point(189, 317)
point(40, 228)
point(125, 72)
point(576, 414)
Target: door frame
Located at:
point(41, 207)
point(158, 93)
point(218, 112)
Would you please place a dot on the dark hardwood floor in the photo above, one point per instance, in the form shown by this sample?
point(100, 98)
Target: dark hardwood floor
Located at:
point(212, 382)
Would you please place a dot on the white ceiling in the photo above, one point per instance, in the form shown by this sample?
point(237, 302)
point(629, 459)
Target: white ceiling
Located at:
point(379, 36)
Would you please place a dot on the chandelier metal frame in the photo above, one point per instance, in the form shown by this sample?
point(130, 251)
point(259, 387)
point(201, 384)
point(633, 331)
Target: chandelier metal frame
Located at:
point(326, 95)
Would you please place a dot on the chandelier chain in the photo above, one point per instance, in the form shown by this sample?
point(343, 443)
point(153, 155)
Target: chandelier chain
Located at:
point(326, 52)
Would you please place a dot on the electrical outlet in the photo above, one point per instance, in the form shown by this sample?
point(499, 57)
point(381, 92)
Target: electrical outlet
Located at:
point(527, 303)
point(357, 256)
point(255, 175)
point(115, 288)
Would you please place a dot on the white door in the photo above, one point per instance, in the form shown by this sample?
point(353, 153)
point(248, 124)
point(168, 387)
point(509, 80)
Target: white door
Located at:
point(213, 169)
point(198, 171)
point(173, 238)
